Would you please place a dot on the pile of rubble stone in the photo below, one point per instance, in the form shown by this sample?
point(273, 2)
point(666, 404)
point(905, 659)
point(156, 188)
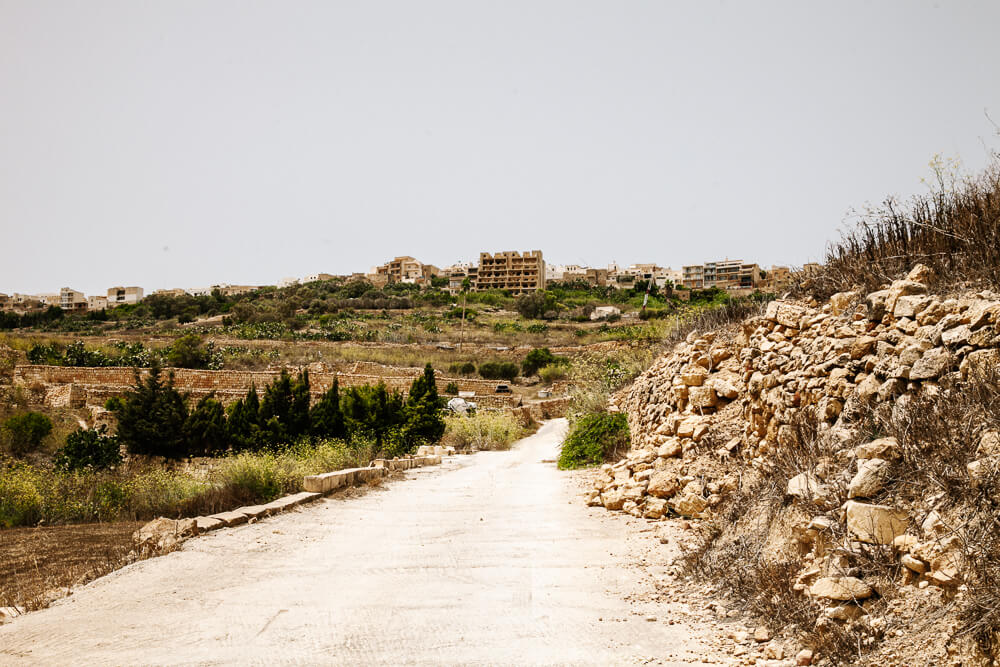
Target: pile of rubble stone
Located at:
point(718, 406)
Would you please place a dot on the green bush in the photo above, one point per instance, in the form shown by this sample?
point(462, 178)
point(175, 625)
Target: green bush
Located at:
point(452, 388)
point(88, 448)
point(593, 439)
point(25, 432)
point(538, 358)
point(553, 373)
point(20, 501)
point(466, 368)
point(498, 370)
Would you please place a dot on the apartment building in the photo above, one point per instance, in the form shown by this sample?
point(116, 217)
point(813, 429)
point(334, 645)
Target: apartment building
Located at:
point(70, 299)
point(403, 269)
point(124, 295)
point(693, 276)
point(97, 302)
point(724, 274)
point(458, 273)
point(516, 272)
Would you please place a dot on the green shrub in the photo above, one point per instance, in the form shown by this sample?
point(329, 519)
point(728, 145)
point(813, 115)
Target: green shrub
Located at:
point(452, 388)
point(483, 430)
point(498, 370)
point(462, 368)
point(20, 500)
point(25, 432)
point(538, 358)
point(88, 448)
point(553, 373)
point(593, 439)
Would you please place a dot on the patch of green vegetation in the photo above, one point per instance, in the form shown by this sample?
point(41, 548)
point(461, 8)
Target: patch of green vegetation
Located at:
point(593, 439)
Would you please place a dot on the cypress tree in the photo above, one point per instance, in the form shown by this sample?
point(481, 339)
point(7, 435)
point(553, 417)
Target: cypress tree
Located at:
point(326, 417)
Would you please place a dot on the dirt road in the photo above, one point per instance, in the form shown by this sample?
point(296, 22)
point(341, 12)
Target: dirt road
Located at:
point(489, 559)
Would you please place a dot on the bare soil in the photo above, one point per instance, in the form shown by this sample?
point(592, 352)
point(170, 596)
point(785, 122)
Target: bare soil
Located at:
point(38, 564)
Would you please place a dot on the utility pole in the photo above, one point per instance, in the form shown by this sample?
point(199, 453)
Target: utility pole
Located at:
point(465, 290)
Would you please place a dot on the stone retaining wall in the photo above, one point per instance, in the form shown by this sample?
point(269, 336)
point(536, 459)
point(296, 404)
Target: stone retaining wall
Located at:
point(71, 386)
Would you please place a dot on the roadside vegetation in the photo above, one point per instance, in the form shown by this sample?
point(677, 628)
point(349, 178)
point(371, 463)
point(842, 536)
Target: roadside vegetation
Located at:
point(482, 431)
point(263, 446)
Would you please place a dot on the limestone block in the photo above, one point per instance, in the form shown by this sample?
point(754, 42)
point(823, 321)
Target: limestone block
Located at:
point(613, 500)
point(230, 518)
point(688, 504)
point(840, 302)
point(874, 524)
point(882, 448)
point(841, 588)
point(914, 564)
point(669, 449)
point(254, 511)
point(724, 388)
point(702, 397)
point(654, 508)
point(207, 523)
point(871, 477)
point(693, 376)
point(933, 364)
point(957, 336)
point(875, 304)
point(901, 288)
point(662, 485)
point(910, 306)
point(806, 486)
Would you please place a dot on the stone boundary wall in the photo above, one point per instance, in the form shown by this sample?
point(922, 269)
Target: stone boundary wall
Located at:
point(78, 386)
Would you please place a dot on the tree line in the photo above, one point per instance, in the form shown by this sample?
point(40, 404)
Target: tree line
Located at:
point(154, 418)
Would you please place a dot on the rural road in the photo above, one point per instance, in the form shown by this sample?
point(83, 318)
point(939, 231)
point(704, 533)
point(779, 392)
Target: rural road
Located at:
point(490, 559)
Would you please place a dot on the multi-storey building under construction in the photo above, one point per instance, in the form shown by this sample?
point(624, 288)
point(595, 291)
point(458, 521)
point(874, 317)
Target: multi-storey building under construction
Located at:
point(512, 271)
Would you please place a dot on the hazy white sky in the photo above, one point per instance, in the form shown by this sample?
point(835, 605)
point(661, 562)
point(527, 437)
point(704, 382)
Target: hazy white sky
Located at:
point(180, 143)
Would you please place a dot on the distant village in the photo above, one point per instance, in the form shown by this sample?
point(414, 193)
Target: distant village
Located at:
point(510, 271)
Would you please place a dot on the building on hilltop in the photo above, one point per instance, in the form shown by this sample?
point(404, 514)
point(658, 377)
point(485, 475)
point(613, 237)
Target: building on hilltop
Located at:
point(728, 274)
point(70, 299)
point(97, 302)
point(403, 269)
point(316, 277)
point(122, 295)
point(515, 272)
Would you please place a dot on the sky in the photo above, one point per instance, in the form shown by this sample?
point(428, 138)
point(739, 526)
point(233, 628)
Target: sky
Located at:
point(187, 143)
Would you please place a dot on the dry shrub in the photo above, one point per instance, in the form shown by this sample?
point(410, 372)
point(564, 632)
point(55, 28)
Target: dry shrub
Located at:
point(483, 430)
point(955, 229)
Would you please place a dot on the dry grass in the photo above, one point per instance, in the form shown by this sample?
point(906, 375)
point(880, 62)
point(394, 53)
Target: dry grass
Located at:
point(955, 229)
point(482, 431)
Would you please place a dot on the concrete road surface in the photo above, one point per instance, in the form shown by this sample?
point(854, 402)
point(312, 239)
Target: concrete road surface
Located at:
point(490, 559)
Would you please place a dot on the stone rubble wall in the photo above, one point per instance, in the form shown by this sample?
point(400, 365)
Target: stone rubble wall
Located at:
point(70, 386)
point(741, 391)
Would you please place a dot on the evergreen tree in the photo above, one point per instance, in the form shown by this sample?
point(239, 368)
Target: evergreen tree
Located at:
point(243, 422)
point(298, 410)
point(275, 408)
point(326, 417)
point(205, 429)
point(423, 421)
point(151, 416)
point(238, 425)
